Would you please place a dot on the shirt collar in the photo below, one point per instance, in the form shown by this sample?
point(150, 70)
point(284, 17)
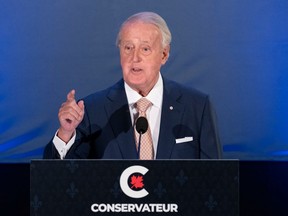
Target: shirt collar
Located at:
point(155, 95)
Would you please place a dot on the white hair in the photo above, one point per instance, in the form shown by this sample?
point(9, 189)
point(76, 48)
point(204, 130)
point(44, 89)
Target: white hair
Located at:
point(151, 18)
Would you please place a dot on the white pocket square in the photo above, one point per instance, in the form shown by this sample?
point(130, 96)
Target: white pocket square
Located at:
point(184, 139)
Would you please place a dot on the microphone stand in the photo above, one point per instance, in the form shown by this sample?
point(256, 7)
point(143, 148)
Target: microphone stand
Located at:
point(139, 144)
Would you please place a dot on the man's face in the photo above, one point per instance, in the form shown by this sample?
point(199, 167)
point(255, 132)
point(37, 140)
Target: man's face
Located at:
point(141, 55)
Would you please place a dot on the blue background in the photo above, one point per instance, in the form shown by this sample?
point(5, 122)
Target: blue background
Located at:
point(234, 50)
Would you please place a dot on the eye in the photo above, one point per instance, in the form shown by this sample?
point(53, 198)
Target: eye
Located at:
point(146, 50)
point(128, 48)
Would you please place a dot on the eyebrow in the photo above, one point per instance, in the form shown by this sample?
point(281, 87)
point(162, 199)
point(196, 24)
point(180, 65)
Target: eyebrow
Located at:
point(129, 41)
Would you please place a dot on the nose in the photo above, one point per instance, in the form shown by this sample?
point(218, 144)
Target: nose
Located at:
point(136, 55)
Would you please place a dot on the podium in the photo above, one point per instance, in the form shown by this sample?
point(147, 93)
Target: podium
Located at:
point(134, 187)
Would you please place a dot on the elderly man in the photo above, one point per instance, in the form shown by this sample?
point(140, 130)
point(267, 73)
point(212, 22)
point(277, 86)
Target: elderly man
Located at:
point(103, 125)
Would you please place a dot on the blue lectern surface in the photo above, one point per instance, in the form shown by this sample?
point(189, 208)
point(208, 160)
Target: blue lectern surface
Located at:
point(133, 187)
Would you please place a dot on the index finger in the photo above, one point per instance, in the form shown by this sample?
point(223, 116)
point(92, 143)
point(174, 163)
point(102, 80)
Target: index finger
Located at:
point(71, 95)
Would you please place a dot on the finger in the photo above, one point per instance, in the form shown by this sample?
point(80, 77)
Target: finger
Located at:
point(68, 116)
point(81, 105)
point(71, 95)
point(73, 107)
point(72, 113)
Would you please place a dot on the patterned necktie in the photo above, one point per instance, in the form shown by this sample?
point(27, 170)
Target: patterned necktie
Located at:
point(146, 146)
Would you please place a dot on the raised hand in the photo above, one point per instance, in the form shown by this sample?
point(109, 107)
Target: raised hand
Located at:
point(70, 115)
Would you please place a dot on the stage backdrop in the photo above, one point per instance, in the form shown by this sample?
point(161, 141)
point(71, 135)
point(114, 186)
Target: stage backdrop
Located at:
point(235, 51)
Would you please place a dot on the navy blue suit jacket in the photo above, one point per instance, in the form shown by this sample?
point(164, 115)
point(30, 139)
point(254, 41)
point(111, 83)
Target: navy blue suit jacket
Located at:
point(106, 131)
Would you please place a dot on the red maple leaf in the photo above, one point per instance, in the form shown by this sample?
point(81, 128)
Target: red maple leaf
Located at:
point(137, 182)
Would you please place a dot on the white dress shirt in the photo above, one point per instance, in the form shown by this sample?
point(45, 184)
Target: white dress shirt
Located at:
point(153, 116)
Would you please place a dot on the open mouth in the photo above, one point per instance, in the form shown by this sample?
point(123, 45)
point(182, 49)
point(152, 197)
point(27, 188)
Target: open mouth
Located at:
point(136, 69)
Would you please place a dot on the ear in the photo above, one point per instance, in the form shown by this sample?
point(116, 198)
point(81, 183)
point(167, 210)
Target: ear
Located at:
point(165, 54)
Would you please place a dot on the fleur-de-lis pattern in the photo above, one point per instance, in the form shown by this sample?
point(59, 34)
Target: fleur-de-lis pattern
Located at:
point(72, 190)
point(72, 166)
point(116, 189)
point(36, 204)
point(182, 178)
point(160, 190)
point(211, 203)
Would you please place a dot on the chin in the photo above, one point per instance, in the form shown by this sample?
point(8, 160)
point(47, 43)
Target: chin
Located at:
point(137, 86)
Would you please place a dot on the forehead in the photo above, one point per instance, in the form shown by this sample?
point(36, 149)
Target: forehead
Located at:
point(144, 32)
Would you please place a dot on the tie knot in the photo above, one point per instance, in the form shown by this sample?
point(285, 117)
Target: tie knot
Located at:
point(142, 105)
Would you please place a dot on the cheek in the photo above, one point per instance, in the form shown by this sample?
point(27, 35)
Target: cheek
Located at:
point(124, 60)
point(155, 64)
point(125, 66)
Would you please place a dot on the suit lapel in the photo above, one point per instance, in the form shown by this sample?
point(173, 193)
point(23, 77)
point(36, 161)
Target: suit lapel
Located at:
point(119, 118)
point(172, 112)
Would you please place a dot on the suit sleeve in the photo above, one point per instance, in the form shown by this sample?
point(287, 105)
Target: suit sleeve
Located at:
point(50, 152)
point(210, 146)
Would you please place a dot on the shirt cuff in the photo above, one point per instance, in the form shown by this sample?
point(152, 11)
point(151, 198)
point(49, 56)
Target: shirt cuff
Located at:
point(61, 146)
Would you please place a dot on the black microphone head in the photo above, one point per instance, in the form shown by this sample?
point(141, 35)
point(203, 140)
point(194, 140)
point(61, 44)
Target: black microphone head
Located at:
point(141, 125)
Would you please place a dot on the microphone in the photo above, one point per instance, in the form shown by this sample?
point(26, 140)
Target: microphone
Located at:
point(141, 125)
point(141, 128)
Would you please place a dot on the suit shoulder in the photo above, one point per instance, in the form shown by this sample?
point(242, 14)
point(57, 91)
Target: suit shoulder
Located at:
point(184, 91)
point(102, 95)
